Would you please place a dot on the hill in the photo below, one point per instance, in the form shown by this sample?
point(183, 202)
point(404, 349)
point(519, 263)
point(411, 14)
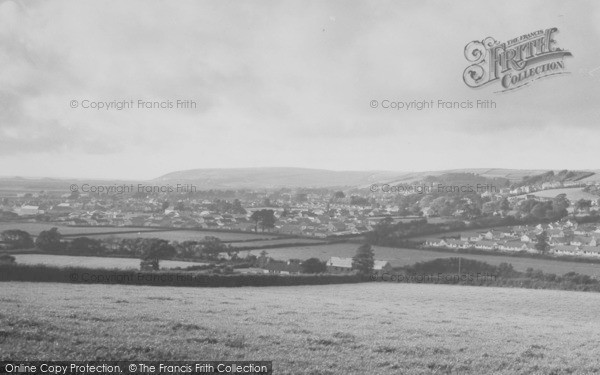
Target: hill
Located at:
point(269, 178)
point(561, 177)
point(320, 178)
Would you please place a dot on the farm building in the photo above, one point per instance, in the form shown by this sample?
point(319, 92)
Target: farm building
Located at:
point(337, 265)
point(282, 268)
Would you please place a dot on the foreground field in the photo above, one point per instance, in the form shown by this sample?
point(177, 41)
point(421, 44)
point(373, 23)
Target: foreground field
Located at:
point(93, 262)
point(374, 328)
point(404, 257)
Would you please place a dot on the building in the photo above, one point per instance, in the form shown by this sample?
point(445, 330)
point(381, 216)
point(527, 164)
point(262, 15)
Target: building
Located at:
point(338, 265)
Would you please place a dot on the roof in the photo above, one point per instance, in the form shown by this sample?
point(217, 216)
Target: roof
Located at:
point(340, 262)
point(347, 263)
point(380, 264)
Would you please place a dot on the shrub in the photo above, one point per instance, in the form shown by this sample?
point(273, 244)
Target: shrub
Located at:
point(7, 259)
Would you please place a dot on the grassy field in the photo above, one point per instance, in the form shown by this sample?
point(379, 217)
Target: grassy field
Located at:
point(373, 328)
point(573, 194)
point(93, 262)
point(282, 241)
point(35, 228)
point(403, 257)
point(191, 235)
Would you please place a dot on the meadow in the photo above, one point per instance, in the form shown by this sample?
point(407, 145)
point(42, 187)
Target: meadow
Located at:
point(374, 328)
point(275, 242)
point(573, 194)
point(93, 262)
point(190, 235)
point(35, 228)
point(403, 257)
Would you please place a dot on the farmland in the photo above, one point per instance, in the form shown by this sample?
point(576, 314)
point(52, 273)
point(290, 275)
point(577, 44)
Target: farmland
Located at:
point(275, 242)
point(190, 235)
point(375, 328)
point(403, 257)
point(92, 262)
point(573, 194)
point(35, 228)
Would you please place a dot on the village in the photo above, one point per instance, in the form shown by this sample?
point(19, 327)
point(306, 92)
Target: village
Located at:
point(565, 237)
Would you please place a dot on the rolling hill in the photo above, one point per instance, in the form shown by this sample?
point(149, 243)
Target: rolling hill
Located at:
point(320, 178)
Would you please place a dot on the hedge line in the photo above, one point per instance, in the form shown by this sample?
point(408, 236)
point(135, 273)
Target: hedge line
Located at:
point(81, 275)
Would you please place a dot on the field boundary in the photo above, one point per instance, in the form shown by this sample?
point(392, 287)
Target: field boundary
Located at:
point(81, 275)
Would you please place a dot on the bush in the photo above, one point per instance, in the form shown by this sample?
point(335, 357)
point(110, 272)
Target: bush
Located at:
point(81, 275)
point(7, 259)
point(149, 264)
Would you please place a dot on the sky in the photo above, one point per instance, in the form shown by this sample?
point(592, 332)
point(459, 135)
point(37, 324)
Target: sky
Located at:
point(285, 84)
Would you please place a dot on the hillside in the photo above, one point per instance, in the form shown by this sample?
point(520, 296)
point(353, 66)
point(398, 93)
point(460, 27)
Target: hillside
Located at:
point(318, 178)
point(561, 177)
point(265, 178)
point(274, 177)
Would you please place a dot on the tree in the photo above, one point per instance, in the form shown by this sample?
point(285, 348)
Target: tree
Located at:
point(584, 204)
point(504, 204)
point(49, 240)
point(266, 219)
point(542, 242)
point(313, 265)
point(339, 195)
point(256, 217)
point(364, 259)
point(237, 207)
point(263, 259)
point(7, 259)
point(17, 239)
point(154, 249)
point(87, 246)
point(355, 200)
point(212, 247)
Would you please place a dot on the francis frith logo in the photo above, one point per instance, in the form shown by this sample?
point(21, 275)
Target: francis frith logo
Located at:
point(515, 63)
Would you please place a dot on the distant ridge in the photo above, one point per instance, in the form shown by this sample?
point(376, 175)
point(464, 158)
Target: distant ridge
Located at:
point(282, 177)
point(237, 178)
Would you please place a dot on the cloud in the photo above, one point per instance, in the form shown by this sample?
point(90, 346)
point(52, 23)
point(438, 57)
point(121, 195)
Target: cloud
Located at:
point(269, 77)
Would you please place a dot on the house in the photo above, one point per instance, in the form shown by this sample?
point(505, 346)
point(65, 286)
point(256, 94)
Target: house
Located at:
point(527, 238)
point(29, 210)
point(580, 241)
point(436, 243)
point(282, 268)
point(512, 246)
point(566, 250)
point(381, 266)
point(486, 245)
point(458, 244)
point(338, 265)
point(592, 251)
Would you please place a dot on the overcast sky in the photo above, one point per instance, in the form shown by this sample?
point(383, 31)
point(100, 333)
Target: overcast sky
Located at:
point(285, 83)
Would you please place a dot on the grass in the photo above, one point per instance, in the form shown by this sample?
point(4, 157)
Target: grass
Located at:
point(403, 257)
point(93, 262)
point(573, 194)
point(375, 328)
point(35, 228)
point(274, 242)
point(191, 235)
